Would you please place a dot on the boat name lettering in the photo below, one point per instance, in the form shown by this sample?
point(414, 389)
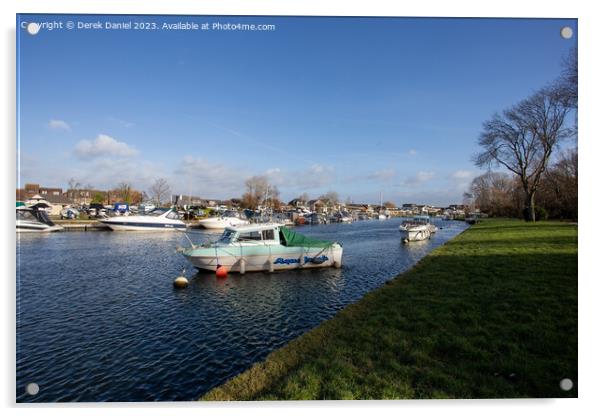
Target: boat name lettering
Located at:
point(280, 260)
point(306, 259)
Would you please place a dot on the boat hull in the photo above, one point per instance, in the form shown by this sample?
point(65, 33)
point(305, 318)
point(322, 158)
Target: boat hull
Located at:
point(124, 226)
point(419, 233)
point(221, 223)
point(37, 228)
point(264, 258)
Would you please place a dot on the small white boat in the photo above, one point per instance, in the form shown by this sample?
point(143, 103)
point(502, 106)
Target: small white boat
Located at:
point(34, 219)
point(229, 219)
point(264, 247)
point(417, 229)
point(159, 219)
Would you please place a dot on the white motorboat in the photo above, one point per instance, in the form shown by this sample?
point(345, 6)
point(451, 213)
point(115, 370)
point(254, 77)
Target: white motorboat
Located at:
point(34, 219)
point(229, 219)
point(159, 219)
point(264, 247)
point(417, 229)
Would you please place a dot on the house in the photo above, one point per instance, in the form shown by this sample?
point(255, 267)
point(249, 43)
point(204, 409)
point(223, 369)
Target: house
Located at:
point(189, 200)
point(297, 203)
point(85, 196)
point(32, 189)
point(317, 205)
point(56, 202)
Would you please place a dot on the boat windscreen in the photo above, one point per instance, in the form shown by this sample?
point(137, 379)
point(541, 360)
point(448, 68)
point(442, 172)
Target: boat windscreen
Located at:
point(42, 216)
point(227, 237)
point(156, 212)
point(290, 238)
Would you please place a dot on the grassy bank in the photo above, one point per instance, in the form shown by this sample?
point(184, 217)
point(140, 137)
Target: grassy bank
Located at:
point(493, 313)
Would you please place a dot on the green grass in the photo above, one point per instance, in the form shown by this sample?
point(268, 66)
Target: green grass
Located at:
point(491, 314)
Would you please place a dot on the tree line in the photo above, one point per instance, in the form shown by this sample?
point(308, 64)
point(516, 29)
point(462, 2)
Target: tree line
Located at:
point(524, 140)
point(159, 193)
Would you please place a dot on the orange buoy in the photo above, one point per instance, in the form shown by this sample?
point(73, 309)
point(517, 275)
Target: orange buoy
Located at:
point(221, 272)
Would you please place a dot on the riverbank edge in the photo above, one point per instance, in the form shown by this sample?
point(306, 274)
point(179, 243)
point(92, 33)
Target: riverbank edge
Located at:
point(259, 381)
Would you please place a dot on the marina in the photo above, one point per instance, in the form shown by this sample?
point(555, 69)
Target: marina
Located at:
point(103, 323)
point(274, 207)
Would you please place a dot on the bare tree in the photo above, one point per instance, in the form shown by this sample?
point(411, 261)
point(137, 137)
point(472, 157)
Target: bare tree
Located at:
point(260, 192)
point(160, 191)
point(330, 198)
point(304, 197)
point(568, 82)
point(492, 193)
point(523, 138)
point(74, 185)
point(124, 192)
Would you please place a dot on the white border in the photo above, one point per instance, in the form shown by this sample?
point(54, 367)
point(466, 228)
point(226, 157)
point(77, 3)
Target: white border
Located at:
point(589, 153)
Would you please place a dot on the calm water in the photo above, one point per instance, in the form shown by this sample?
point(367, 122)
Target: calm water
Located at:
point(98, 319)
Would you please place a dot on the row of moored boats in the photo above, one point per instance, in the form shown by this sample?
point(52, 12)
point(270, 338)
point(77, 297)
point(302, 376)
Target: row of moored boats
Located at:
point(242, 246)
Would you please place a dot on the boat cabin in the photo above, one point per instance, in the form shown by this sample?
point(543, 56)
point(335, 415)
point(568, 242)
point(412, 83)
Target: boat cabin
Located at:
point(34, 213)
point(265, 233)
point(420, 219)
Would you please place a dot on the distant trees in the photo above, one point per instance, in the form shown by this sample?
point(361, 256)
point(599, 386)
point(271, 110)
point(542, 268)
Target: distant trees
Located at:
point(259, 192)
point(496, 194)
point(124, 192)
point(389, 204)
point(160, 191)
point(330, 198)
point(303, 198)
point(74, 185)
point(98, 198)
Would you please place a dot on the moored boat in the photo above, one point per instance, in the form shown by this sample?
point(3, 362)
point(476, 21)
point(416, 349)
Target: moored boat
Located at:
point(159, 219)
point(417, 229)
point(229, 219)
point(34, 219)
point(264, 247)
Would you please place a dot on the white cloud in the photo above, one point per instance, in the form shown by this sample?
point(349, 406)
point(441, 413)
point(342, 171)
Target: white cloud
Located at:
point(102, 146)
point(461, 175)
point(59, 125)
point(208, 179)
point(315, 176)
point(381, 175)
point(419, 178)
point(413, 152)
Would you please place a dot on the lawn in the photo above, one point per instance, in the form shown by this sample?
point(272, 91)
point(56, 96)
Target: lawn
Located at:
point(491, 314)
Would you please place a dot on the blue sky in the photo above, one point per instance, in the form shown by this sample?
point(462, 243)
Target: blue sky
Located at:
point(356, 105)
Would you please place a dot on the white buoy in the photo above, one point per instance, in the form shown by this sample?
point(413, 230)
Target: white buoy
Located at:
point(243, 266)
point(180, 282)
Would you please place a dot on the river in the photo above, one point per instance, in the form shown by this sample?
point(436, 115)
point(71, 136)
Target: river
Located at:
point(99, 320)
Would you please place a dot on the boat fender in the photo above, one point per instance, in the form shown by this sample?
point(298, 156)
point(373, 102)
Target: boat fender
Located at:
point(221, 272)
